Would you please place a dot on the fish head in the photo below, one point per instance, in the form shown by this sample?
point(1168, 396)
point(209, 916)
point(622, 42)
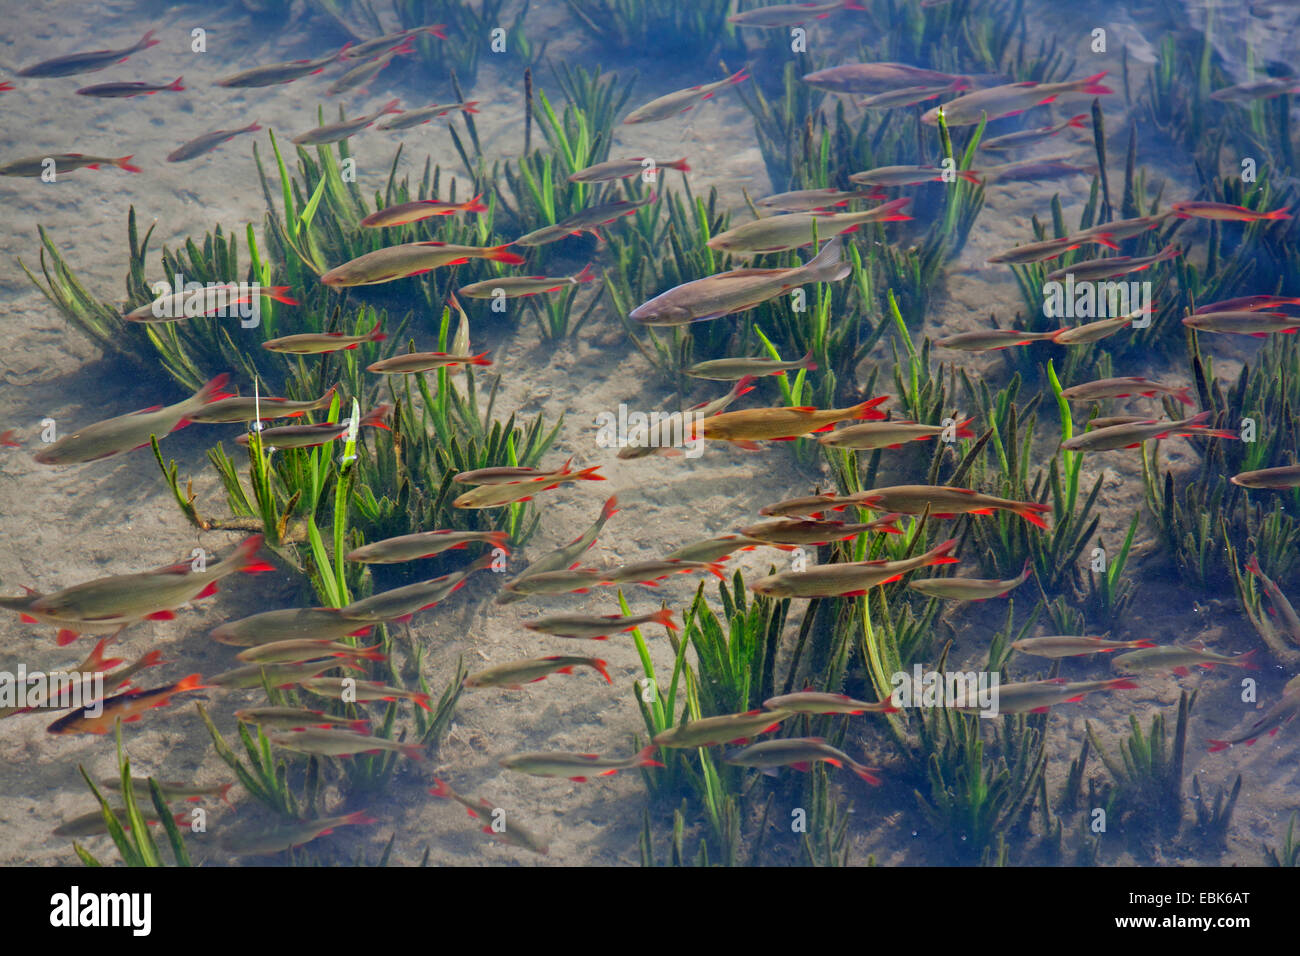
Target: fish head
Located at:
point(772, 586)
point(653, 313)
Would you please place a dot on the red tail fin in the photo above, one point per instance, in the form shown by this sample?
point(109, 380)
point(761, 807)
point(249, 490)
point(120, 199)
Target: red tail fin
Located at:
point(147, 41)
point(892, 211)
point(7, 439)
point(1093, 85)
point(123, 163)
point(376, 417)
point(176, 84)
point(246, 555)
point(389, 107)
point(374, 335)
point(480, 359)
point(963, 429)
point(867, 410)
point(501, 254)
point(680, 166)
point(646, 758)
point(1217, 745)
point(1078, 122)
point(807, 362)
point(609, 509)
point(664, 616)
point(588, 474)
point(438, 30)
point(474, 205)
point(278, 292)
point(601, 667)
point(359, 818)
point(440, 789)
point(1121, 683)
point(588, 274)
point(1030, 511)
point(189, 682)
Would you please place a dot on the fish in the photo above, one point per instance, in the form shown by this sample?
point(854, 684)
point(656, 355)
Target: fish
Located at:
point(427, 114)
point(515, 674)
point(894, 433)
point(410, 363)
point(1108, 268)
point(904, 96)
point(1258, 324)
point(208, 142)
point(1037, 697)
point(1096, 331)
point(734, 369)
point(800, 753)
point(1179, 658)
point(247, 408)
point(127, 432)
point(660, 437)
point(805, 200)
point(1035, 170)
point(364, 691)
point(1223, 211)
point(650, 573)
point(911, 176)
point(335, 132)
point(128, 707)
point(996, 102)
point(189, 304)
point(790, 14)
point(268, 627)
point(171, 791)
point(309, 436)
point(277, 73)
point(568, 581)
point(284, 674)
point(411, 259)
point(1247, 303)
point(514, 287)
point(64, 163)
point(1120, 229)
point(1026, 137)
point(969, 589)
point(297, 718)
point(1074, 646)
point(7, 439)
point(7, 87)
point(817, 702)
point(945, 501)
point(1125, 387)
point(584, 220)
point(74, 63)
point(366, 47)
point(795, 531)
point(1276, 479)
point(789, 231)
point(576, 766)
point(613, 169)
point(424, 544)
point(509, 474)
point(1257, 90)
point(1049, 249)
point(307, 649)
point(848, 578)
point(672, 104)
point(744, 428)
point(586, 627)
point(881, 78)
point(990, 340)
point(713, 550)
point(726, 729)
point(125, 90)
point(401, 604)
point(121, 679)
point(1281, 606)
point(811, 506)
point(286, 836)
point(495, 496)
point(1274, 719)
point(1133, 435)
point(511, 833)
point(739, 290)
point(321, 742)
point(565, 557)
point(92, 823)
point(1105, 421)
point(81, 679)
point(407, 212)
point(365, 72)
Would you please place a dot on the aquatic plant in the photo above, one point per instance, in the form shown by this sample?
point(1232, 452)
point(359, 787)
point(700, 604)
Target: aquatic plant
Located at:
point(1289, 853)
point(698, 29)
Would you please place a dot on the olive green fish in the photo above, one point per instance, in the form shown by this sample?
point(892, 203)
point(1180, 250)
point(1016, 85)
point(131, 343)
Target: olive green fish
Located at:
point(64, 163)
point(306, 649)
point(412, 258)
point(401, 604)
point(561, 558)
point(1074, 646)
point(576, 767)
point(503, 825)
point(789, 231)
point(514, 675)
point(341, 743)
point(800, 753)
point(247, 408)
point(726, 729)
point(1276, 479)
point(286, 836)
point(585, 220)
point(275, 73)
point(515, 287)
point(1178, 658)
point(969, 589)
point(363, 691)
point(297, 718)
point(336, 132)
point(996, 102)
point(318, 343)
point(424, 544)
point(672, 104)
point(849, 578)
point(268, 627)
point(586, 627)
point(75, 63)
point(816, 702)
point(734, 369)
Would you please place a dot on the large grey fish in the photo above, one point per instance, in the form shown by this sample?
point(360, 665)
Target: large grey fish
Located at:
point(881, 78)
point(1010, 100)
point(247, 408)
point(1131, 435)
point(778, 233)
point(75, 63)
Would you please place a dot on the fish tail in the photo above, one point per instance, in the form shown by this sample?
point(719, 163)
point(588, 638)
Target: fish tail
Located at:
point(1119, 683)
point(95, 660)
point(1253, 565)
point(468, 106)
point(867, 410)
point(853, 5)
point(412, 751)
point(359, 817)
point(439, 30)
point(245, 557)
point(480, 359)
point(589, 474)
point(403, 48)
point(223, 794)
point(440, 789)
point(588, 274)
point(602, 668)
point(374, 335)
point(743, 387)
point(1093, 85)
point(1247, 660)
point(1031, 512)
point(502, 254)
point(939, 554)
point(970, 175)
point(1105, 239)
point(718, 570)
point(807, 362)
point(253, 127)
point(343, 50)
point(740, 76)
point(1276, 214)
point(6, 87)
point(175, 84)
point(964, 430)
point(375, 653)
point(376, 417)
point(609, 509)
point(390, 107)
point(866, 773)
point(147, 41)
point(325, 400)
point(124, 163)
point(280, 293)
point(7, 439)
point(1168, 252)
point(189, 682)
point(1217, 745)
point(474, 205)
point(1078, 122)
point(646, 757)
point(680, 166)
point(892, 211)
point(664, 616)
point(213, 391)
point(422, 700)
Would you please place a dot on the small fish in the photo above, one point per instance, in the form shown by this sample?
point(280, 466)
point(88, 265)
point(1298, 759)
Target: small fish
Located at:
point(509, 474)
point(247, 408)
point(341, 743)
point(208, 142)
point(996, 102)
point(365, 48)
point(1106, 421)
point(800, 753)
point(424, 544)
point(512, 834)
point(286, 674)
point(1073, 646)
point(127, 432)
point(64, 163)
point(561, 558)
point(1258, 324)
point(881, 78)
point(124, 90)
point(318, 343)
point(514, 675)
point(268, 627)
point(849, 578)
point(990, 340)
point(297, 718)
point(1096, 331)
point(128, 707)
point(910, 176)
point(570, 581)
point(906, 96)
point(969, 589)
point(1248, 303)
point(790, 14)
point(1281, 606)
point(576, 766)
point(1179, 658)
point(713, 550)
point(276, 73)
point(650, 573)
point(7, 87)
point(816, 702)
point(514, 287)
point(410, 259)
point(363, 74)
point(1027, 137)
point(734, 369)
point(726, 729)
point(309, 436)
point(1037, 697)
point(1120, 229)
point(307, 649)
point(335, 132)
point(171, 791)
point(739, 290)
point(810, 506)
point(778, 233)
point(613, 169)
point(427, 114)
point(408, 212)
point(890, 434)
point(1034, 171)
point(661, 438)
point(672, 104)
point(175, 306)
point(945, 501)
point(1274, 719)
point(286, 836)
point(410, 363)
point(1277, 479)
point(1134, 434)
point(585, 627)
point(1049, 249)
point(1257, 90)
point(92, 823)
point(495, 496)
point(87, 62)
point(1125, 387)
point(750, 425)
point(806, 200)
point(584, 220)
point(797, 531)
point(1109, 268)
point(1222, 211)
point(401, 604)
